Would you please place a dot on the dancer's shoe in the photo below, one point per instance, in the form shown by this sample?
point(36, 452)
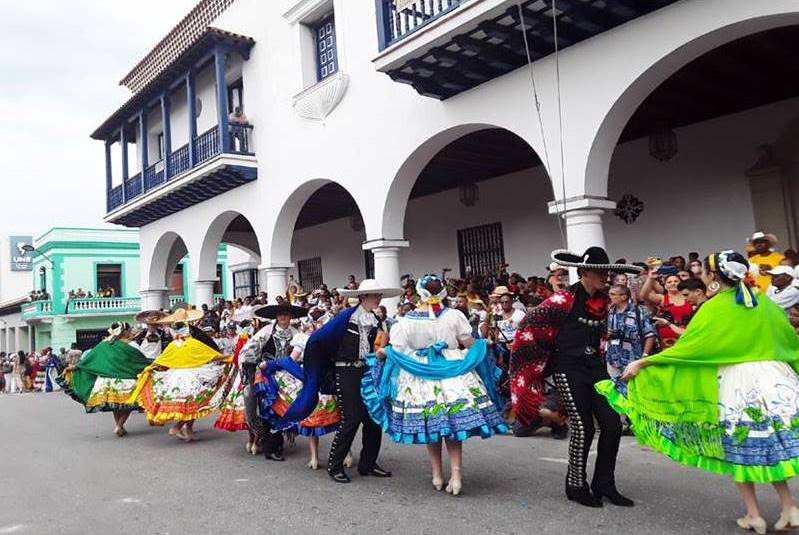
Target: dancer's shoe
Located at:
point(756, 524)
point(789, 520)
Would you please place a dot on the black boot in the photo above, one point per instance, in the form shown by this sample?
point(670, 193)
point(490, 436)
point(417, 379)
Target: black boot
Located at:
point(583, 496)
point(614, 497)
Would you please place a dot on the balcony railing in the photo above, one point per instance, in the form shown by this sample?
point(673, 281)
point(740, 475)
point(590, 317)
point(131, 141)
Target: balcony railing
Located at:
point(102, 305)
point(133, 186)
point(154, 175)
point(176, 299)
point(179, 161)
point(36, 309)
point(206, 146)
point(397, 19)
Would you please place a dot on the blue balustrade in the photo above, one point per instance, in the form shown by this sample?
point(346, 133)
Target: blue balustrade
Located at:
point(396, 19)
point(179, 161)
point(134, 186)
point(154, 176)
point(206, 146)
point(115, 198)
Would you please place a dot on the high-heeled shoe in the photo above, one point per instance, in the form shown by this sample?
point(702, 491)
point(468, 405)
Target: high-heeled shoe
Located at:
point(455, 484)
point(756, 524)
point(348, 460)
point(788, 520)
point(313, 464)
point(438, 482)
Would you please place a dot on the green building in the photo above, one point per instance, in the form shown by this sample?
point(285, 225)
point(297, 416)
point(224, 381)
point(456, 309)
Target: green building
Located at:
point(91, 278)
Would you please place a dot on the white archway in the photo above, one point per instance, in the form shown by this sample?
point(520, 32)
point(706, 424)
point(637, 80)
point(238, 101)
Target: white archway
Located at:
point(713, 24)
point(396, 202)
point(168, 251)
point(283, 229)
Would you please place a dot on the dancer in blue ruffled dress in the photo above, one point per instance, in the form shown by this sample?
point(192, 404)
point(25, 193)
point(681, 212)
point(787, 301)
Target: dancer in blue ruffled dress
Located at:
point(424, 388)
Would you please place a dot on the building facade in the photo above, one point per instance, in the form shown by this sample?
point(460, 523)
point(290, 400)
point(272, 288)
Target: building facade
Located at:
point(89, 278)
point(325, 138)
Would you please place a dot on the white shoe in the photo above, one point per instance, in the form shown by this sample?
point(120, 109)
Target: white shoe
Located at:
point(756, 524)
point(313, 464)
point(789, 520)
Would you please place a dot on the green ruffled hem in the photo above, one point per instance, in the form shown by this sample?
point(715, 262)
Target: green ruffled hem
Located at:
point(647, 435)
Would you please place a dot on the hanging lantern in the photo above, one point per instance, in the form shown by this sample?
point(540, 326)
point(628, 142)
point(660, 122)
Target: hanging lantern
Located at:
point(469, 194)
point(663, 143)
point(356, 222)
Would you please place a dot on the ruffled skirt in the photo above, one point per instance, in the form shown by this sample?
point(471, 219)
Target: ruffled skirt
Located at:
point(423, 411)
point(758, 431)
point(183, 394)
point(276, 394)
point(232, 416)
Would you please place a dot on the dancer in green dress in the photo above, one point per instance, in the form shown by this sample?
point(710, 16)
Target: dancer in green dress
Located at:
point(725, 397)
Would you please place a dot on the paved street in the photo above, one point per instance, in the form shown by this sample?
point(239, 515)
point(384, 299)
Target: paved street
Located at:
point(65, 472)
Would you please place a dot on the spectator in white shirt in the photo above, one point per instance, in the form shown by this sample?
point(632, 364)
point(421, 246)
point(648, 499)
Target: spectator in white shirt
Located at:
point(782, 290)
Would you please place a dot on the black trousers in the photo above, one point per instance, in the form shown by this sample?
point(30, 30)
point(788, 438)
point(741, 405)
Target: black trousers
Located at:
point(353, 415)
point(575, 384)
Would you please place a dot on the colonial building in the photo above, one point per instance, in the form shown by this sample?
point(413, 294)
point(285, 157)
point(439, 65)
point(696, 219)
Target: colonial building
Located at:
point(89, 278)
point(326, 137)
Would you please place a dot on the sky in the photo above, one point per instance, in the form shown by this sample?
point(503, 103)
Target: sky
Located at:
point(60, 66)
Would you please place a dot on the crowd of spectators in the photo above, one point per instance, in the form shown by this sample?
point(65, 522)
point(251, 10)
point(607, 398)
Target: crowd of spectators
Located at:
point(647, 312)
point(22, 371)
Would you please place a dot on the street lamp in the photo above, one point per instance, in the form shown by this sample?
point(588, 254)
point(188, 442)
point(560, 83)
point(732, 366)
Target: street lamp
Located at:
point(31, 249)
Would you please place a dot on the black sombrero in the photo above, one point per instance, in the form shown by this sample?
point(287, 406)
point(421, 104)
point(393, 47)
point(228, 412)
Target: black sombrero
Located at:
point(271, 312)
point(594, 258)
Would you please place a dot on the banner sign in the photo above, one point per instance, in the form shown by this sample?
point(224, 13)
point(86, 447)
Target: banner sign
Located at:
point(403, 4)
point(21, 260)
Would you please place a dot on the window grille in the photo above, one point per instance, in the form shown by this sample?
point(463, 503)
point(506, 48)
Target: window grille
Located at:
point(310, 273)
point(245, 283)
point(480, 249)
point(326, 53)
point(369, 264)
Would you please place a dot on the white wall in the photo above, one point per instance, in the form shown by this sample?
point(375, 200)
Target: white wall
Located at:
point(699, 200)
point(380, 128)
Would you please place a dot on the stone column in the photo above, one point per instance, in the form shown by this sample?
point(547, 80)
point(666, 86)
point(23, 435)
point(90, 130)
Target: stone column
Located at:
point(387, 273)
point(155, 299)
point(277, 280)
point(583, 217)
point(204, 292)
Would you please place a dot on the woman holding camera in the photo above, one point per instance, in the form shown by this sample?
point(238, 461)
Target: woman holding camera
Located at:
point(671, 305)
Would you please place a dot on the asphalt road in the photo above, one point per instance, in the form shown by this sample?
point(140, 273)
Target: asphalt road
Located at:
point(64, 471)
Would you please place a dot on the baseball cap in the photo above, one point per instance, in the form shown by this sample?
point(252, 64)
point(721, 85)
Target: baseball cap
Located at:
point(782, 270)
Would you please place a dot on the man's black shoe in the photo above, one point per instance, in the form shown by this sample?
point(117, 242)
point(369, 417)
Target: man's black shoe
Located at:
point(614, 497)
point(340, 477)
point(274, 456)
point(375, 471)
point(583, 496)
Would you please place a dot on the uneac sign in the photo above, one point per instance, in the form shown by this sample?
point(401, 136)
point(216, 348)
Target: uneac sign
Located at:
point(21, 260)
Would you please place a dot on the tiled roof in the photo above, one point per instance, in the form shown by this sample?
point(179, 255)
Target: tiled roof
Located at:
point(176, 42)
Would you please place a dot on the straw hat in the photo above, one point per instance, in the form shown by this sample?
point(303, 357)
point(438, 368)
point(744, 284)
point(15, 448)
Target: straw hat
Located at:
point(182, 315)
point(150, 317)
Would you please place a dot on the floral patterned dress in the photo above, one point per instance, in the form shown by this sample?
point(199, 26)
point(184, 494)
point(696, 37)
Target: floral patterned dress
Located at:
point(426, 410)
